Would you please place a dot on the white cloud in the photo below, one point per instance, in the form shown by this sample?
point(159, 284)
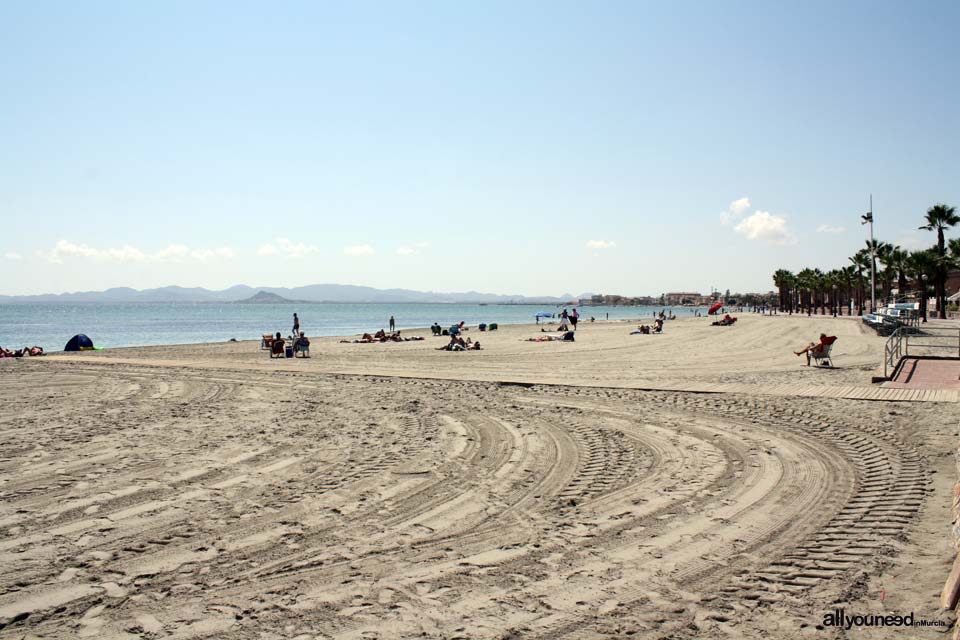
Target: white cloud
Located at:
point(600, 244)
point(173, 251)
point(288, 248)
point(358, 250)
point(295, 250)
point(12, 255)
point(64, 249)
point(763, 225)
point(826, 228)
point(735, 211)
point(412, 249)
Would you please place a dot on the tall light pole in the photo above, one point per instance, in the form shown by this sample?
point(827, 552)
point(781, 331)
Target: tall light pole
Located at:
point(865, 218)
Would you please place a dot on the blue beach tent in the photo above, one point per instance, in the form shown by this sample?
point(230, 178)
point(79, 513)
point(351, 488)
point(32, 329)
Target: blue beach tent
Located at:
point(79, 342)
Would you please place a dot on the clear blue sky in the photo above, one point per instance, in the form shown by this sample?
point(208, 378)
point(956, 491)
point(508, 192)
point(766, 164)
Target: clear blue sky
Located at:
point(532, 148)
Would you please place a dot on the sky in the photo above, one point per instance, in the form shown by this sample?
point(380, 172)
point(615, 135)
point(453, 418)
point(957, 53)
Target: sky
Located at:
point(533, 148)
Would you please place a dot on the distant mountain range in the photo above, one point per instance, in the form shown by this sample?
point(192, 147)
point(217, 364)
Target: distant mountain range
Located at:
point(310, 293)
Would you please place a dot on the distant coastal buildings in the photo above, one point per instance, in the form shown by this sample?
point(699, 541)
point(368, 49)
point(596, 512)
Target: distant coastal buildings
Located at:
point(678, 299)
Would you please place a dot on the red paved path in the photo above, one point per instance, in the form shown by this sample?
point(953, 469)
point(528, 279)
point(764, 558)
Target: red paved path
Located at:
point(927, 374)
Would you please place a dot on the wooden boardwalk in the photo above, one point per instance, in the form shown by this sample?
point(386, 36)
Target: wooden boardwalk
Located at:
point(873, 392)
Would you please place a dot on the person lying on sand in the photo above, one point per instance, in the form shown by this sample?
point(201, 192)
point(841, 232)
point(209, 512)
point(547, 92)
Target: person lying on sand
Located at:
point(566, 337)
point(817, 348)
point(725, 322)
point(459, 344)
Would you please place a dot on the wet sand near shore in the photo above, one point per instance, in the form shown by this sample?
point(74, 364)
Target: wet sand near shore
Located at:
point(395, 491)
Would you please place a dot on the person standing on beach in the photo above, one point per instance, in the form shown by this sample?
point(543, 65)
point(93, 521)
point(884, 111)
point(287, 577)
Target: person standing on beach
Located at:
point(296, 325)
point(574, 316)
point(393, 324)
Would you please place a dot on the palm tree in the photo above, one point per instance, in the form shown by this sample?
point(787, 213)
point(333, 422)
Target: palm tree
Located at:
point(805, 284)
point(940, 217)
point(782, 280)
point(898, 262)
point(847, 275)
point(833, 284)
point(878, 248)
point(922, 265)
point(885, 252)
point(820, 286)
point(861, 261)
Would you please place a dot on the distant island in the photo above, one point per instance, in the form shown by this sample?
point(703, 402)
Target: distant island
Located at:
point(265, 297)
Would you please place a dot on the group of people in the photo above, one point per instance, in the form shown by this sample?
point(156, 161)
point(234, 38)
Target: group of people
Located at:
point(300, 344)
point(645, 329)
point(572, 318)
point(454, 330)
point(21, 353)
point(726, 321)
point(457, 343)
point(382, 336)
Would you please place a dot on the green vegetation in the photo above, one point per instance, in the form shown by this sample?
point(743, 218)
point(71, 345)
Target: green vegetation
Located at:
point(913, 272)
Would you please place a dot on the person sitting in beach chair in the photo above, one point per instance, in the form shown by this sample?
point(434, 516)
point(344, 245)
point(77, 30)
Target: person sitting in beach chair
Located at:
point(276, 347)
point(819, 351)
point(266, 341)
point(436, 329)
point(302, 346)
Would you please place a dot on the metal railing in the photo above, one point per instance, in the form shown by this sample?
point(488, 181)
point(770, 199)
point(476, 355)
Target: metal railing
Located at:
point(925, 341)
point(892, 351)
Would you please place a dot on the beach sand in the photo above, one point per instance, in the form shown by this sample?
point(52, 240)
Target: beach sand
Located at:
point(527, 490)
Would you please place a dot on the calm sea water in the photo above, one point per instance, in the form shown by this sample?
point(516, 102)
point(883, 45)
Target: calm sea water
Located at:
point(50, 325)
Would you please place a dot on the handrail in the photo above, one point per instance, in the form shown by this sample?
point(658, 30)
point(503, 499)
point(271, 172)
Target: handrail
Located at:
point(898, 344)
point(892, 351)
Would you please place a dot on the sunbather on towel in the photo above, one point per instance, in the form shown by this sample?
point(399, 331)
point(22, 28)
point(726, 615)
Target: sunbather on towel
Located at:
point(816, 348)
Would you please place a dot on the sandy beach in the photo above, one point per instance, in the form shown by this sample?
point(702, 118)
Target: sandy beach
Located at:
point(651, 486)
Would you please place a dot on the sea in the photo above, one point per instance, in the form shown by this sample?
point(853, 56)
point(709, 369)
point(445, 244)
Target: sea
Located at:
point(50, 325)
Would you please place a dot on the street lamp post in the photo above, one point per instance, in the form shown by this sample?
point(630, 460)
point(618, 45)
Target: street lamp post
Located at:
point(868, 218)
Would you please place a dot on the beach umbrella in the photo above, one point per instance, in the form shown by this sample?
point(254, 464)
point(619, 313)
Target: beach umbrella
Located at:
point(714, 308)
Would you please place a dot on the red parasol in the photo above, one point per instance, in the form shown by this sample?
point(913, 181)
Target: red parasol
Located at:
point(714, 308)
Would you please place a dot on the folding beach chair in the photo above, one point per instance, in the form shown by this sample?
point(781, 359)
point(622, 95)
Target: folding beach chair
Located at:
point(266, 341)
point(821, 358)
